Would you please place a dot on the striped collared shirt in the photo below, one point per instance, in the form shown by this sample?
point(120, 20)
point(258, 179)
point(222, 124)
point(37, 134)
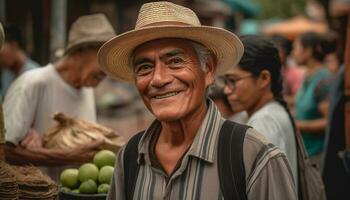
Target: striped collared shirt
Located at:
point(197, 175)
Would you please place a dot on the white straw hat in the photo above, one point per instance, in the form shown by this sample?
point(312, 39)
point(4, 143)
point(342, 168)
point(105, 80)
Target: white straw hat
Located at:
point(88, 30)
point(167, 20)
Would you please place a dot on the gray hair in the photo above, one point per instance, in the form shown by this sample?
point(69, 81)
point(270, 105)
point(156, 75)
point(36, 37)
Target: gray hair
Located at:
point(202, 53)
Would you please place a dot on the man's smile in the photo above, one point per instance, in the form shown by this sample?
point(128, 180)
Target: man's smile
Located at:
point(166, 95)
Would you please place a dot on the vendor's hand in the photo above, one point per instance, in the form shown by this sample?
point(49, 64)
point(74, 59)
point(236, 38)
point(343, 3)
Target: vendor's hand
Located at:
point(32, 140)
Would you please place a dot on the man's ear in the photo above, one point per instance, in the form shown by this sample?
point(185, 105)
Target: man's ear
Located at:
point(210, 70)
point(264, 79)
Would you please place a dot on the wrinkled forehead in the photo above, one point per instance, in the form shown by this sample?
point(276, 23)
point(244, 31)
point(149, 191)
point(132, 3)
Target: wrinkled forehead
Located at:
point(158, 44)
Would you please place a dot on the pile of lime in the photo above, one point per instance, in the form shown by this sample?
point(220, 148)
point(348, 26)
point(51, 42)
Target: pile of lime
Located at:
point(90, 178)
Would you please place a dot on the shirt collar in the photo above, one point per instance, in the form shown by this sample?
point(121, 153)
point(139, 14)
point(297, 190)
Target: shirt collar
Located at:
point(204, 143)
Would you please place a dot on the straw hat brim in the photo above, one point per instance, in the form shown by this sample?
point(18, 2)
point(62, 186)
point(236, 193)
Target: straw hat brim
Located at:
point(114, 56)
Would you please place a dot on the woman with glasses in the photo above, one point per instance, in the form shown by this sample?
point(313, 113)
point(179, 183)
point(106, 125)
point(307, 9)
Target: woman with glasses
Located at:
point(255, 85)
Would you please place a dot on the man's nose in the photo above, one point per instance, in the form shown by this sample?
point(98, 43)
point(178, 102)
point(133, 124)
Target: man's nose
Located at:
point(161, 75)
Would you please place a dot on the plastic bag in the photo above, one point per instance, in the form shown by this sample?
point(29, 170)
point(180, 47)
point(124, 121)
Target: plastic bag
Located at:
point(70, 133)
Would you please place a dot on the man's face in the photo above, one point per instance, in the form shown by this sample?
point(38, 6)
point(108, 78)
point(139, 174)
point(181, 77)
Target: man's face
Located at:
point(245, 93)
point(169, 78)
point(7, 55)
point(91, 74)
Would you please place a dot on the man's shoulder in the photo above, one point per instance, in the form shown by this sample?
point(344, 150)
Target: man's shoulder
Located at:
point(35, 76)
point(255, 141)
point(30, 81)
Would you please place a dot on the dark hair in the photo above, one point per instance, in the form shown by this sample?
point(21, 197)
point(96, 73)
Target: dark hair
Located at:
point(332, 45)
point(317, 42)
point(217, 93)
point(13, 34)
point(261, 54)
point(282, 42)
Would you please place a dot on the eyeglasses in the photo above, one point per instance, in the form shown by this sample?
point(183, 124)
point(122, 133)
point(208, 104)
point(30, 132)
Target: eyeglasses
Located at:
point(223, 81)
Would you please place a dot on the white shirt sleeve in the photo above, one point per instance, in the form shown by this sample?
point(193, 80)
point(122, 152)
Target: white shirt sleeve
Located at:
point(271, 130)
point(19, 108)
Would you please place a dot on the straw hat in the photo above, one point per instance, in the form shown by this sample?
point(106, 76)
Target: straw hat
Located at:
point(167, 20)
point(88, 30)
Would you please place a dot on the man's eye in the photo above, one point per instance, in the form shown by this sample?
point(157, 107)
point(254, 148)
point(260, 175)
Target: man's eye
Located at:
point(175, 61)
point(142, 69)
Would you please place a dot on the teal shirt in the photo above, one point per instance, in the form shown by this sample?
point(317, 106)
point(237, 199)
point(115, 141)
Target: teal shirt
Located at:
point(314, 90)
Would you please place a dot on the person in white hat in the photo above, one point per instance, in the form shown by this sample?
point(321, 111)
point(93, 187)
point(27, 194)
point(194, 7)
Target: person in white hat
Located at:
point(188, 151)
point(65, 86)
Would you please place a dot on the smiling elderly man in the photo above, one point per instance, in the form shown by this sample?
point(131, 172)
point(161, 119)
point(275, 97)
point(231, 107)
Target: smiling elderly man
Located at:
point(189, 151)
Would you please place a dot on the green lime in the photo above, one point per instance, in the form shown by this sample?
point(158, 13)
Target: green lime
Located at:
point(65, 189)
point(105, 174)
point(88, 171)
point(103, 188)
point(104, 158)
point(69, 178)
point(76, 191)
point(88, 187)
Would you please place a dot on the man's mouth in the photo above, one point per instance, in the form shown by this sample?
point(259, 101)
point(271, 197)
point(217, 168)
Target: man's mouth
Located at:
point(171, 94)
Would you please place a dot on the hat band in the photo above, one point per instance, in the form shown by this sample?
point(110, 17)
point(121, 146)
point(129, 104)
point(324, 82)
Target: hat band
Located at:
point(167, 23)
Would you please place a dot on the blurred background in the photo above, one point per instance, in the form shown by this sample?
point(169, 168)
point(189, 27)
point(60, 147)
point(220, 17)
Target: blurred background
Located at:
point(44, 26)
point(44, 23)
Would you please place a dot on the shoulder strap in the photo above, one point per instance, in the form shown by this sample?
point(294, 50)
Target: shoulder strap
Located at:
point(131, 167)
point(230, 160)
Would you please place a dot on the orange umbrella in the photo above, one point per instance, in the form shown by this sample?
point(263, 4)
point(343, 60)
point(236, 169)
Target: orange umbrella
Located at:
point(292, 28)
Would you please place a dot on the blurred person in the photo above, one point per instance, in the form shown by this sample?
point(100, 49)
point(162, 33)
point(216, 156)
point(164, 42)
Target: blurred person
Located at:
point(311, 103)
point(255, 85)
point(334, 57)
point(292, 74)
point(336, 168)
point(64, 86)
point(218, 96)
point(13, 59)
point(336, 176)
point(177, 156)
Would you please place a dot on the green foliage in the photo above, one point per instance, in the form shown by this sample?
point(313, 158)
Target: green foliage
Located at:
point(280, 8)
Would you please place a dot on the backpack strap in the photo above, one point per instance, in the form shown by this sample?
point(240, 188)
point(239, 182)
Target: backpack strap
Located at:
point(230, 160)
point(131, 167)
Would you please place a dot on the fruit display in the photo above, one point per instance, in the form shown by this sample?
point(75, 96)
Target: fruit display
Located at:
point(69, 133)
point(25, 182)
point(90, 178)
